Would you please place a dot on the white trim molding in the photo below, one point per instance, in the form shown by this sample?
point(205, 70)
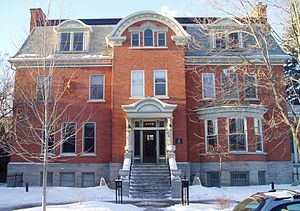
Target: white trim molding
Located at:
point(115, 38)
point(232, 111)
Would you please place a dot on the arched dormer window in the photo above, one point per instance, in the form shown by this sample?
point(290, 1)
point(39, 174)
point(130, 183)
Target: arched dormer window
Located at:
point(148, 37)
point(73, 36)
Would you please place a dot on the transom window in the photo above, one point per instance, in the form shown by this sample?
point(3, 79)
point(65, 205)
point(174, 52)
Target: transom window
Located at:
point(230, 85)
point(208, 86)
point(250, 86)
point(68, 137)
point(237, 134)
point(148, 37)
point(97, 87)
point(71, 41)
point(160, 83)
point(89, 138)
point(211, 135)
point(137, 83)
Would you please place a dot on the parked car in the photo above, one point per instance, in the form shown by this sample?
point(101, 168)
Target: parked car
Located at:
point(274, 200)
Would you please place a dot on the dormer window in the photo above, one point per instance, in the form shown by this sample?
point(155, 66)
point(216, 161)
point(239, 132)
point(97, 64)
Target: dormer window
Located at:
point(161, 39)
point(135, 39)
point(73, 36)
point(148, 37)
point(223, 41)
point(220, 41)
point(71, 41)
point(233, 40)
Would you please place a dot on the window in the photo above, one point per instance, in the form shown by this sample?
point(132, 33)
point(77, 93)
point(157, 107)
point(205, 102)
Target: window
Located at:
point(230, 85)
point(237, 134)
point(68, 137)
point(67, 179)
point(208, 86)
point(160, 83)
point(211, 134)
point(88, 179)
point(97, 87)
point(43, 88)
point(239, 178)
point(213, 179)
point(89, 138)
point(292, 206)
point(258, 135)
point(135, 39)
point(71, 41)
point(49, 179)
point(50, 143)
point(261, 177)
point(148, 37)
point(233, 40)
point(161, 39)
point(250, 87)
point(137, 83)
point(220, 41)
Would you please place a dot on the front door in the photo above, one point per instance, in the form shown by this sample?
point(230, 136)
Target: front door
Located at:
point(149, 138)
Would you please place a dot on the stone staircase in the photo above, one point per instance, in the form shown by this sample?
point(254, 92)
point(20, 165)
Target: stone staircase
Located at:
point(149, 181)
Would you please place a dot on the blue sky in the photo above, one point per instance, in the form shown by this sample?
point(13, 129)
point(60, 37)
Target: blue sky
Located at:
point(15, 15)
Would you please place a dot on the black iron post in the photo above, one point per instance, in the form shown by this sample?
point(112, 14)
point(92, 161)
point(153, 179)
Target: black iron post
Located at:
point(185, 191)
point(27, 187)
point(119, 194)
point(272, 186)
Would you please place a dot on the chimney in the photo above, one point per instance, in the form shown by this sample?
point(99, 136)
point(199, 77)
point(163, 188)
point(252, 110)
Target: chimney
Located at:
point(259, 13)
point(37, 14)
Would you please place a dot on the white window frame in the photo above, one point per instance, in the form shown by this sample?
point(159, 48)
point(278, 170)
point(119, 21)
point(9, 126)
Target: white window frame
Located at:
point(131, 74)
point(237, 86)
point(214, 86)
point(90, 83)
point(216, 134)
point(214, 37)
point(255, 84)
point(157, 40)
point(245, 131)
point(153, 44)
point(83, 139)
point(256, 120)
point(84, 41)
point(138, 39)
point(61, 138)
point(166, 74)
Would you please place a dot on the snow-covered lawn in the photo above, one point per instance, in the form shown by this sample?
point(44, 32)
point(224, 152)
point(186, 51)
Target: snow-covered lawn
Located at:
point(102, 198)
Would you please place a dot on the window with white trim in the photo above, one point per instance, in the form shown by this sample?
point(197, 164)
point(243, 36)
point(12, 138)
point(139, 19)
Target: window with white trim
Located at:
point(237, 134)
point(97, 87)
point(220, 41)
point(230, 85)
point(137, 83)
point(148, 38)
point(160, 83)
point(43, 88)
point(89, 138)
point(68, 137)
point(208, 86)
point(250, 86)
point(135, 39)
point(161, 39)
point(233, 40)
point(211, 134)
point(72, 41)
point(258, 135)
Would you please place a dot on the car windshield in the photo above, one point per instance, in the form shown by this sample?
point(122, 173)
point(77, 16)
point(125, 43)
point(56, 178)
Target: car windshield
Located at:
point(250, 204)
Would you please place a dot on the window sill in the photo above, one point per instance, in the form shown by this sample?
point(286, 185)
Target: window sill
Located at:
point(247, 153)
point(145, 47)
point(68, 154)
point(88, 155)
point(251, 99)
point(96, 101)
point(50, 154)
point(136, 98)
point(161, 97)
point(73, 52)
point(208, 99)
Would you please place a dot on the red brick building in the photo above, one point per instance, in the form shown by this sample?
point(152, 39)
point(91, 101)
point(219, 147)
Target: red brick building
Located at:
point(150, 88)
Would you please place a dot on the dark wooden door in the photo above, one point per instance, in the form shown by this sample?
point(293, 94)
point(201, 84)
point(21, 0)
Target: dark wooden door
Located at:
point(149, 152)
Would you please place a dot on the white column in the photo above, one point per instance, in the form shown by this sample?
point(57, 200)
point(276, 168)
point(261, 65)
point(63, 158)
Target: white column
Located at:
point(128, 146)
point(169, 135)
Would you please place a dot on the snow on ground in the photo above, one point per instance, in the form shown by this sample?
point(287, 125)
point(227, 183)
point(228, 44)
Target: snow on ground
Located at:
point(100, 198)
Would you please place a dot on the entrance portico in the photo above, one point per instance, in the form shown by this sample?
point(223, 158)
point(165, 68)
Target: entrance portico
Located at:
point(149, 130)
